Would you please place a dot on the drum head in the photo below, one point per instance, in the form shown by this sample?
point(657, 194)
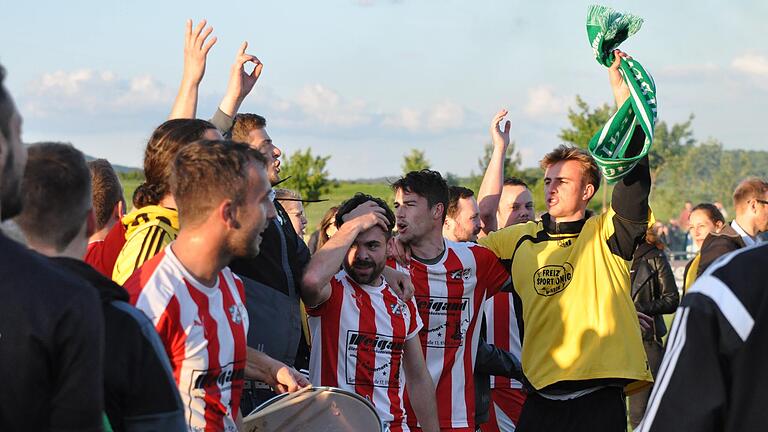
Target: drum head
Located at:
point(314, 409)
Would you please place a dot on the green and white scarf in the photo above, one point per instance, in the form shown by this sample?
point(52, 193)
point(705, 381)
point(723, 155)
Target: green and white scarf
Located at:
point(607, 29)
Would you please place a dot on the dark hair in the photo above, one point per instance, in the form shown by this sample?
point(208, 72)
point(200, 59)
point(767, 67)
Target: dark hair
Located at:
point(329, 218)
point(713, 213)
point(652, 239)
point(205, 172)
point(6, 108)
point(106, 190)
point(165, 143)
point(57, 194)
point(426, 183)
point(514, 181)
point(455, 193)
point(589, 169)
point(360, 198)
point(244, 124)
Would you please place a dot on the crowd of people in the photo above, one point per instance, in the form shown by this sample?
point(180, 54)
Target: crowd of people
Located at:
point(199, 300)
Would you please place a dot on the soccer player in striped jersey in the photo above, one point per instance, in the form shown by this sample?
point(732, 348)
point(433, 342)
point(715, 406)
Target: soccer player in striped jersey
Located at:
point(363, 334)
point(190, 295)
point(452, 282)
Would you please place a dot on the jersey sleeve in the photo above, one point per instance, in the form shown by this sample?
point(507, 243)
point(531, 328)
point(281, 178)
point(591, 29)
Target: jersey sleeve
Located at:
point(139, 249)
point(503, 242)
point(337, 290)
point(415, 325)
point(491, 273)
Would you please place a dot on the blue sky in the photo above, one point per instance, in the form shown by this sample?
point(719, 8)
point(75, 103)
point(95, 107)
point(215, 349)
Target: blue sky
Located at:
point(366, 80)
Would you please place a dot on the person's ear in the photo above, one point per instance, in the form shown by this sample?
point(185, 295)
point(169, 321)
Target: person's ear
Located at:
point(117, 211)
point(227, 212)
point(589, 192)
point(90, 223)
point(437, 211)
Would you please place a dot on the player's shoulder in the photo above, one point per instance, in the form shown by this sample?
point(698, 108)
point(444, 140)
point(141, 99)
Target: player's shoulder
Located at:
point(161, 275)
point(512, 233)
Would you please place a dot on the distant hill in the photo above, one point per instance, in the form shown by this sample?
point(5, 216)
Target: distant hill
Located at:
point(120, 169)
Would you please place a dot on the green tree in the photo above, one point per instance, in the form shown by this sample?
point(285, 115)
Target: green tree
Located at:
point(414, 161)
point(512, 160)
point(669, 143)
point(307, 173)
point(585, 122)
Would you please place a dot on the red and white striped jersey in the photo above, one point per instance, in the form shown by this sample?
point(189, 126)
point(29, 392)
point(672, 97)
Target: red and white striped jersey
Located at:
point(204, 332)
point(502, 332)
point(358, 336)
point(450, 294)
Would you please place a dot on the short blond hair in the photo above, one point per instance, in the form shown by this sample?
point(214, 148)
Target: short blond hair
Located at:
point(747, 189)
point(589, 170)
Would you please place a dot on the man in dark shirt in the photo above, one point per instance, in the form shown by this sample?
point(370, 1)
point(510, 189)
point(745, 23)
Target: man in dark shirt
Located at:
point(51, 339)
point(57, 219)
point(713, 375)
point(272, 278)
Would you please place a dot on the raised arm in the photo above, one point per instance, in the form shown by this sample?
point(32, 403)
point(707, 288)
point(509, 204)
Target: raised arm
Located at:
point(196, 50)
point(493, 181)
point(325, 263)
point(630, 196)
point(240, 82)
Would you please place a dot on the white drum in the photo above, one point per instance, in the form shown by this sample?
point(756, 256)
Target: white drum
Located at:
point(314, 409)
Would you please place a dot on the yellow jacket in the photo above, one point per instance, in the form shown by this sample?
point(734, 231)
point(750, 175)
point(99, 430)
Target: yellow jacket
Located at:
point(579, 320)
point(148, 230)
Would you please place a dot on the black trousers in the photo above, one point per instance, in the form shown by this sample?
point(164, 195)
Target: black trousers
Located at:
point(600, 411)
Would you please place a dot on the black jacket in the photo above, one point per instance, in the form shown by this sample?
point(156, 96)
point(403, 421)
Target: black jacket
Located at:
point(140, 393)
point(51, 342)
point(717, 245)
point(654, 290)
point(272, 288)
point(715, 378)
point(491, 361)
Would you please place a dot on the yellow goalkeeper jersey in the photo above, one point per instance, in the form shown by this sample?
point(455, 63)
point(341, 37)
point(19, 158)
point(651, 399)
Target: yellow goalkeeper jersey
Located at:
point(578, 320)
point(148, 231)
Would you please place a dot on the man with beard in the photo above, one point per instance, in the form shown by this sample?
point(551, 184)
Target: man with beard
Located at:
point(51, 328)
point(462, 219)
point(452, 282)
point(364, 334)
point(272, 279)
point(188, 292)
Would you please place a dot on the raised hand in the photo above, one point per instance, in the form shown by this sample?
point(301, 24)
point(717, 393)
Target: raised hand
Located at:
point(368, 214)
point(500, 138)
point(240, 82)
point(618, 86)
point(196, 49)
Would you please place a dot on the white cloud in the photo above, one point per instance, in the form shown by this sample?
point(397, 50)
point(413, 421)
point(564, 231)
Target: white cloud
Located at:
point(93, 92)
point(441, 117)
point(542, 101)
point(328, 108)
point(751, 64)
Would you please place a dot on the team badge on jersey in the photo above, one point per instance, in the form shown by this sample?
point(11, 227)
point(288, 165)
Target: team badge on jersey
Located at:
point(236, 314)
point(396, 309)
point(461, 274)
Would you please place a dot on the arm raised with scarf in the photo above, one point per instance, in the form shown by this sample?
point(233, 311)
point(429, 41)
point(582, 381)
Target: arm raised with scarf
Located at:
point(630, 196)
